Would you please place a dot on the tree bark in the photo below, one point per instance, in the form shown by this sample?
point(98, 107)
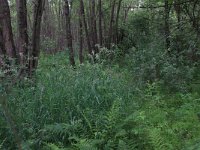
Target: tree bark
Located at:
point(177, 9)
point(2, 50)
point(80, 38)
point(86, 27)
point(59, 32)
point(23, 31)
point(69, 33)
point(38, 10)
point(94, 26)
point(111, 24)
point(7, 29)
point(116, 37)
point(100, 24)
point(167, 27)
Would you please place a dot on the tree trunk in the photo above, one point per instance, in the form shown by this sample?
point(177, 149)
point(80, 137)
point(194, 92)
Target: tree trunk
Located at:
point(94, 26)
point(126, 12)
point(7, 29)
point(177, 9)
point(167, 27)
point(86, 27)
point(2, 50)
point(100, 24)
point(59, 32)
point(111, 24)
point(23, 31)
point(116, 37)
point(89, 21)
point(68, 33)
point(80, 38)
point(38, 10)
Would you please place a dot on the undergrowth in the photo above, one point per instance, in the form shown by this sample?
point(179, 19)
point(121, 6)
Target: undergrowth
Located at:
point(93, 107)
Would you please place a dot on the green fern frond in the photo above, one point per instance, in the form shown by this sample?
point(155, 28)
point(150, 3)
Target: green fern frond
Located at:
point(126, 145)
point(85, 144)
point(58, 128)
point(1, 144)
point(194, 147)
point(113, 116)
point(157, 141)
point(51, 146)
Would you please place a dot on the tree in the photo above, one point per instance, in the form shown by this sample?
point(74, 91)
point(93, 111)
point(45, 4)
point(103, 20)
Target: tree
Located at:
point(23, 32)
point(7, 29)
point(116, 39)
point(192, 10)
point(110, 36)
point(100, 24)
point(94, 25)
point(69, 33)
point(85, 26)
point(167, 27)
point(80, 38)
point(2, 50)
point(35, 51)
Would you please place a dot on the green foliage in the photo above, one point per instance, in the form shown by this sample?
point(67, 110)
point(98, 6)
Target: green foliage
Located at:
point(137, 95)
point(110, 56)
point(96, 107)
point(48, 45)
point(144, 53)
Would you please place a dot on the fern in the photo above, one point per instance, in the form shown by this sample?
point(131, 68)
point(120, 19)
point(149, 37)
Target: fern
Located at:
point(157, 141)
point(84, 144)
point(57, 130)
point(1, 144)
point(63, 128)
point(51, 146)
point(195, 146)
point(126, 145)
point(113, 116)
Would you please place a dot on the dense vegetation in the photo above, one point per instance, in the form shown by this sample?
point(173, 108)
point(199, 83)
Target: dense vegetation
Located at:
point(137, 88)
point(99, 107)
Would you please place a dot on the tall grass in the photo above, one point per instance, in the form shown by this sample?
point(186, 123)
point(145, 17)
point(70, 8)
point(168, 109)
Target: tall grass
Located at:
point(97, 107)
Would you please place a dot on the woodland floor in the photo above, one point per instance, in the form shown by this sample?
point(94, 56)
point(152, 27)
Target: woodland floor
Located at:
point(100, 107)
